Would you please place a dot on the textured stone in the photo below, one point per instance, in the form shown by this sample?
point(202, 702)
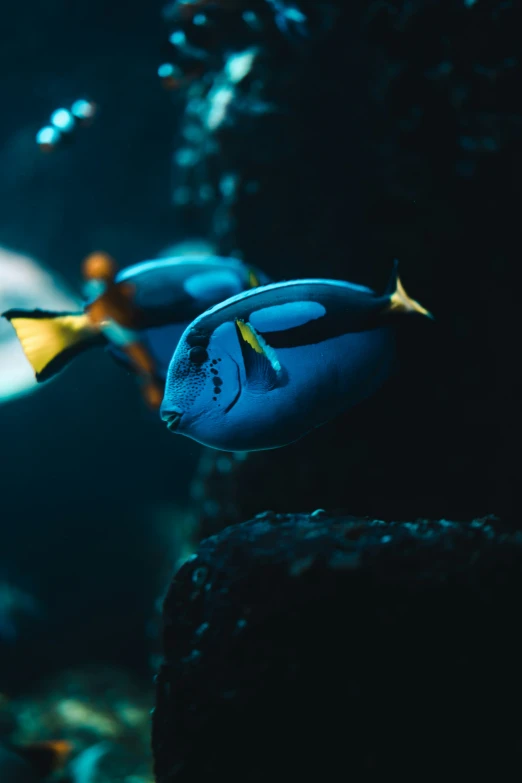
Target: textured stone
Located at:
point(319, 646)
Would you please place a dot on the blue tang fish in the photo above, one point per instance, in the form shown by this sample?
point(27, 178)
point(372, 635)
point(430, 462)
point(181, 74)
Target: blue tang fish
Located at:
point(262, 369)
point(165, 296)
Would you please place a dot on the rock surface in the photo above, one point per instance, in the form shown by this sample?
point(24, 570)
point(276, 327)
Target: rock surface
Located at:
point(323, 645)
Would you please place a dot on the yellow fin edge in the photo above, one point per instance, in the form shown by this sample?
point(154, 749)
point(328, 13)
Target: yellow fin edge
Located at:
point(43, 339)
point(249, 336)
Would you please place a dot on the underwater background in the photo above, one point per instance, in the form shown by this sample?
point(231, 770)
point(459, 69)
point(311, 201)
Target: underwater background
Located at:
point(352, 134)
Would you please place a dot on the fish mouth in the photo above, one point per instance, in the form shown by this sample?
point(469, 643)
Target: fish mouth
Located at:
point(172, 420)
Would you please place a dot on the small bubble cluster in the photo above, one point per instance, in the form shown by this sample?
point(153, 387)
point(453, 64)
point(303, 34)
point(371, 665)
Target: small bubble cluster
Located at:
point(63, 124)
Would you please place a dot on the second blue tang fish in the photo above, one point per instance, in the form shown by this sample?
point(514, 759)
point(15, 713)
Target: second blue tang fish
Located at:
point(167, 294)
point(262, 369)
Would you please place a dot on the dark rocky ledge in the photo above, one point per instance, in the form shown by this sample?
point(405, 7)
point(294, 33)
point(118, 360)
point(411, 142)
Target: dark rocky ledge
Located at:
point(343, 649)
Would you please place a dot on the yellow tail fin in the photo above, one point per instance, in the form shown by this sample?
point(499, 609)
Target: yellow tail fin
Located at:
point(399, 299)
point(50, 340)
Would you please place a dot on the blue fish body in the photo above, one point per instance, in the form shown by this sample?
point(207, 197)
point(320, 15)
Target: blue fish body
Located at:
point(263, 368)
point(160, 299)
point(171, 292)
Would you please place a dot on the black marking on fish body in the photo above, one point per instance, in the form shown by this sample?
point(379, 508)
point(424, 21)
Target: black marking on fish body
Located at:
point(198, 354)
point(198, 338)
point(347, 310)
point(238, 393)
point(218, 383)
point(330, 326)
point(167, 280)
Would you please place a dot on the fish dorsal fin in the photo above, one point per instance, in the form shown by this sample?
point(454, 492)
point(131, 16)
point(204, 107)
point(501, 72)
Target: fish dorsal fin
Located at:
point(262, 367)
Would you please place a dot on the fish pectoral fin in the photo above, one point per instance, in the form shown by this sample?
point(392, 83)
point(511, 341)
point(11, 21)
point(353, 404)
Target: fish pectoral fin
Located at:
point(262, 367)
point(50, 340)
point(399, 300)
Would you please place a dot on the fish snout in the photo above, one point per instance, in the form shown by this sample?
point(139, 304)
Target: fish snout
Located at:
point(172, 419)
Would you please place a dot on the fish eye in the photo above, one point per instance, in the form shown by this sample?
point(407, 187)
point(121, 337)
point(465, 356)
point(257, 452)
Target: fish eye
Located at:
point(198, 355)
